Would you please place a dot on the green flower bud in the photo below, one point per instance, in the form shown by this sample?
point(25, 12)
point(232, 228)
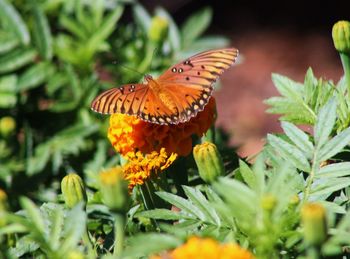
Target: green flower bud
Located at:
point(7, 126)
point(158, 29)
point(114, 189)
point(313, 216)
point(73, 190)
point(209, 161)
point(341, 36)
point(268, 202)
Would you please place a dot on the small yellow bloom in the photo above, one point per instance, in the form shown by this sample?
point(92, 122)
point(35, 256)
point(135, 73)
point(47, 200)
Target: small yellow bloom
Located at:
point(206, 248)
point(7, 126)
point(341, 36)
point(313, 216)
point(158, 30)
point(142, 167)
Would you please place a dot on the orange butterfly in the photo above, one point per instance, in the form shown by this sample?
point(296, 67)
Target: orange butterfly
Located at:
point(176, 96)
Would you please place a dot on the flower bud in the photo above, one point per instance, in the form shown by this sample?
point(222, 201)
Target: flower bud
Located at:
point(7, 126)
point(114, 189)
point(341, 36)
point(209, 161)
point(75, 254)
point(268, 202)
point(313, 216)
point(3, 207)
point(73, 190)
point(158, 29)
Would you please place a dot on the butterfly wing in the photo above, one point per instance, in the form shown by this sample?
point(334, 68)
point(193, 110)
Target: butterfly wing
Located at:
point(128, 99)
point(190, 81)
point(132, 99)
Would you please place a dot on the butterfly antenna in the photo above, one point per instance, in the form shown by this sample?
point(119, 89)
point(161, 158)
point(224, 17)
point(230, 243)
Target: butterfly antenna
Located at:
point(128, 68)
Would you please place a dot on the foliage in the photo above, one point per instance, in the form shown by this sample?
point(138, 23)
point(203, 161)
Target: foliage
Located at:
point(55, 56)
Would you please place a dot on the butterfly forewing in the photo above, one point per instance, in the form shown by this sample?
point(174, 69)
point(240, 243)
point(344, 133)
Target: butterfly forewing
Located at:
point(190, 81)
point(125, 99)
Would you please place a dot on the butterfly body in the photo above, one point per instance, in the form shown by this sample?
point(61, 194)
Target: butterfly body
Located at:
point(176, 96)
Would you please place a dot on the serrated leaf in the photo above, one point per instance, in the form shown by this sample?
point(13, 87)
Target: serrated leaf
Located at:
point(330, 186)
point(299, 138)
point(42, 34)
point(33, 214)
point(324, 123)
point(334, 146)
point(195, 26)
point(182, 204)
point(242, 198)
point(247, 174)
point(334, 170)
point(163, 214)
point(13, 18)
point(289, 152)
point(201, 202)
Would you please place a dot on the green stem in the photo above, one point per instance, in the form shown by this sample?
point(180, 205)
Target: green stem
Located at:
point(147, 61)
point(119, 222)
point(313, 253)
point(345, 60)
point(310, 179)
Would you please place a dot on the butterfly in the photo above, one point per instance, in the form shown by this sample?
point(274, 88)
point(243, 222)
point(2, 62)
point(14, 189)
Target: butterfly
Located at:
point(176, 96)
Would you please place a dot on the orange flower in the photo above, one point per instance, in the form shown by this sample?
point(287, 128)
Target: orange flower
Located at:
point(140, 167)
point(128, 133)
point(206, 248)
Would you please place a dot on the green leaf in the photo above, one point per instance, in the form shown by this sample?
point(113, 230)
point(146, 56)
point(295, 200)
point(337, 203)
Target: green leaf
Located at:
point(241, 197)
point(330, 186)
point(299, 138)
point(163, 214)
point(74, 228)
point(42, 34)
point(33, 214)
point(35, 76)
point(325, 122)
point(16, 59)
point(333, 207)
point(142, 17)
point(195, 26)
point(9, 14)
point(201, 202)
point(106, 28)
point(289, 152)
point(334, 170)
point(183, 204)
point(8, 91)
point(310, 83)
point(334, 146)
point(7, 42)
point(150, 243)
point(247, 174)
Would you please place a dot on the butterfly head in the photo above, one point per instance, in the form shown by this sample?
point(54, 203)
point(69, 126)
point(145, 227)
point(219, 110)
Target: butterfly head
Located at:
point(148, 78)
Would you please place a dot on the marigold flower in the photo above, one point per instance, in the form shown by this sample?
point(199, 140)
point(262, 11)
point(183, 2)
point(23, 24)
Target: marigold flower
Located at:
point(142, 167)
point(206, 248)
point(130, 134)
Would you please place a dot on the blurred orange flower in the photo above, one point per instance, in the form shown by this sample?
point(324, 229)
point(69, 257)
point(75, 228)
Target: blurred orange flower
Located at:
point(140, 168)
point(129, 134)
point(207, 248)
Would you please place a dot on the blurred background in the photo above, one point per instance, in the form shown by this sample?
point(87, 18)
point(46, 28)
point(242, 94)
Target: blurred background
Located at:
point(57, 55)
point(273, 37)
